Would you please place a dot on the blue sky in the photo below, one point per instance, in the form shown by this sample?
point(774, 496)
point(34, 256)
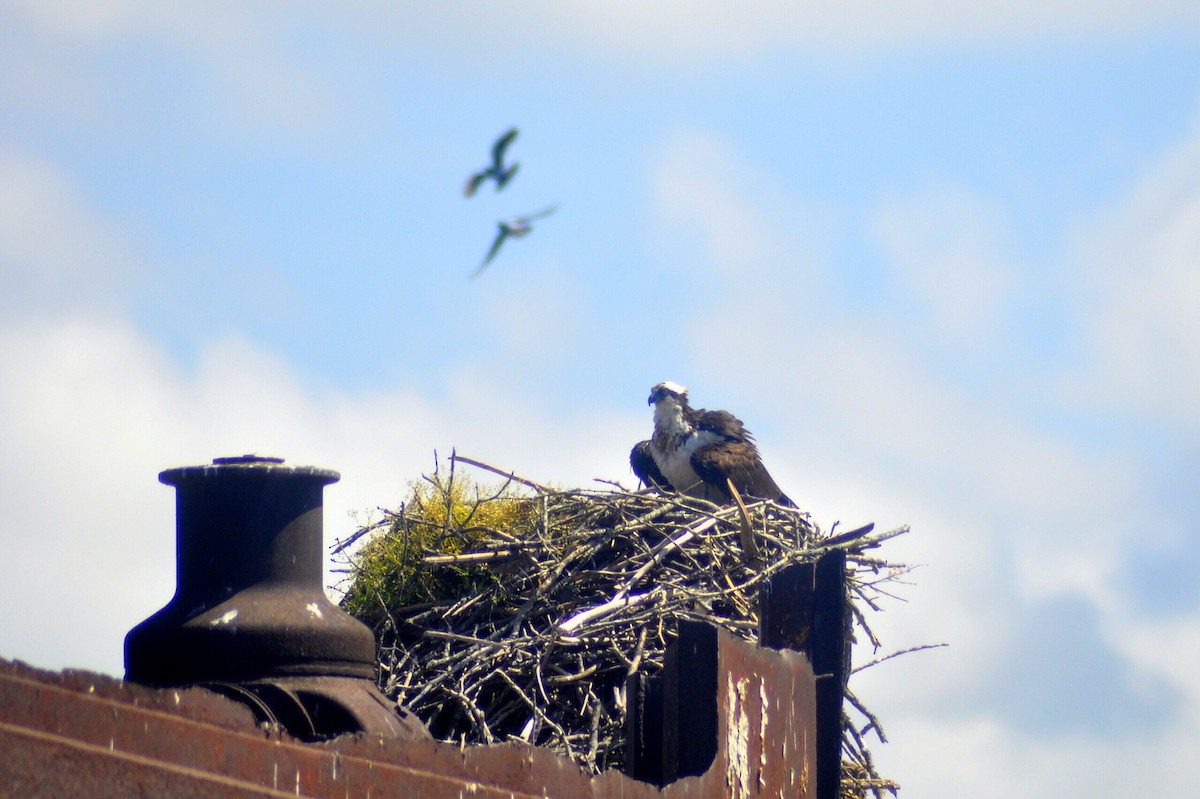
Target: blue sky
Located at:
point(943, 259)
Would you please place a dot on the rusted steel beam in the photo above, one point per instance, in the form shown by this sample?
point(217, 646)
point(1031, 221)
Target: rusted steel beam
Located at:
point(644, 728)
point(689, 729)
point(805, 607)
point(671, 724)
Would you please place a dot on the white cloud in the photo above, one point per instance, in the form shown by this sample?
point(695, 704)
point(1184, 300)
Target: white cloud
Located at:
point(1139, 269)
point(55, 250)
point(259, 87)
point(943, 245)
point(979, 758)
point(1168, 648)
point(94, 21)
point(82, 422)
point(537, 309)
point(867, 387)
point(736, 222)
point(700, 183)
point(251, 47)
point(706, 31)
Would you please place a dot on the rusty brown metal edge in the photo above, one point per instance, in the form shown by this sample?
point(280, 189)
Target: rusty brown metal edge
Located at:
point(199, 743)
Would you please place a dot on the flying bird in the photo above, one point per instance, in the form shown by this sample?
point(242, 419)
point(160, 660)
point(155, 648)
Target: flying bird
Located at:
point(497, 171)
point(516, 228)
point(704, 454)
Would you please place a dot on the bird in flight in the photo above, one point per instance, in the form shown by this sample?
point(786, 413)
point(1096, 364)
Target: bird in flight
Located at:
point(497, 171)
point(516, 228)
point(704, 454)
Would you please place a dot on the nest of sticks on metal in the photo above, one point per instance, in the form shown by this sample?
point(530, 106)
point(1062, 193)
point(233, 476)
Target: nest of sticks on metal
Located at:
point(517, 612)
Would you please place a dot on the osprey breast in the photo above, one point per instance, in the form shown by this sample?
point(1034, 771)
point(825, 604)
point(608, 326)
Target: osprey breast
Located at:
point(676, 464)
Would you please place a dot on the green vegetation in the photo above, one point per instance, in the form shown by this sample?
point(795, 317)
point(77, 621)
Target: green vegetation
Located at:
point(443, 515)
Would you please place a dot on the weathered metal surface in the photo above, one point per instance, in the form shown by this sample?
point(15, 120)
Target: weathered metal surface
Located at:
point(766, 709)
point(317, 708)
point(75, 734)
point(759, 734)
point(250, 617)
point(643, 728)
point(805, 608)
point(689, 722)
point(249, 602)
point(672, 731)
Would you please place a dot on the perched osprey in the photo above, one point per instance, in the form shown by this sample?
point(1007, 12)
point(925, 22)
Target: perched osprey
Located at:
point(700, 452)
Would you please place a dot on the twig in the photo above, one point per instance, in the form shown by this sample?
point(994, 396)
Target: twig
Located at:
point(469, 557)
point(873, 722)
point(612, 606)
point(897, 653)
point(749, 545)
point(843, 538)
point(506, 474)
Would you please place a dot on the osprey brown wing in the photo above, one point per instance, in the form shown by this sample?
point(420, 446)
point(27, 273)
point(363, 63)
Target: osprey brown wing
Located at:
point(738, 462)
point(721, 423)
point(646, 468)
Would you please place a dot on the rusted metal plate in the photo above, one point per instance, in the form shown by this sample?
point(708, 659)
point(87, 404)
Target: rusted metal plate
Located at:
point(766, 707)
point(805, 608)
point(75, 734)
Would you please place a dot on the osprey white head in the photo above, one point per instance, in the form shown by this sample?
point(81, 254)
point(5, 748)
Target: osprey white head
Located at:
point(667, 389)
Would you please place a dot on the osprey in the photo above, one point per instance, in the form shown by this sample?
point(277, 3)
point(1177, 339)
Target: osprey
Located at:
point(497, 171)
point(516, 228)
point(700, 453)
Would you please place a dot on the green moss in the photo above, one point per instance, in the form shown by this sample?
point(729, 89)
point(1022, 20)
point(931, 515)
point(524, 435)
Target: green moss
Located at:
point(442, 516)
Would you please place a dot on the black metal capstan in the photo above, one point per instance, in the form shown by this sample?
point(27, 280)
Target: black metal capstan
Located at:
point(250, 617)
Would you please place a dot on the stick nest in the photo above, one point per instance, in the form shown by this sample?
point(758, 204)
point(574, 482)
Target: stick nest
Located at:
point(518, 611)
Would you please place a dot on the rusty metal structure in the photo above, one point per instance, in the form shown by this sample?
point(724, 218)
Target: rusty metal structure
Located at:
point(804, 609)
point(83, 735)
point(250, 683)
